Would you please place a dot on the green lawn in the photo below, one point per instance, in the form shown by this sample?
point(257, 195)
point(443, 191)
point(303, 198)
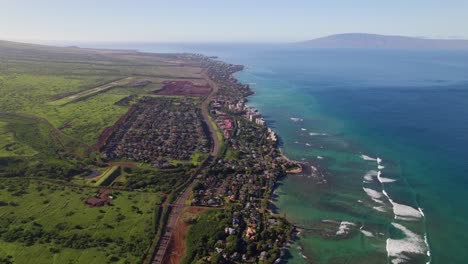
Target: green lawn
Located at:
point(55, 104)
point(219, 135)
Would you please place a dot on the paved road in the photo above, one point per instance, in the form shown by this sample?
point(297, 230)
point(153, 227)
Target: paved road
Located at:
point(179, 205)
point(204, 107)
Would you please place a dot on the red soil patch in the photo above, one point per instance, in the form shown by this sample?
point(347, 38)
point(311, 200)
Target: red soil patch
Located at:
point(176, 250)
point(183, 88)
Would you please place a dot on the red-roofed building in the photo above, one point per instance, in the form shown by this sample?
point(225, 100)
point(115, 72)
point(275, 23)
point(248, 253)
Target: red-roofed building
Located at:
point(103, 197)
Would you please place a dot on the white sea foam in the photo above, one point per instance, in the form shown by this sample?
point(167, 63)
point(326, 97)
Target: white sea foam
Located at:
point(319, 157)
point(307, 144)
point(296, 119)
point(373, 193)
point(421, 211)
point(344, 228)
point(382, 179)
point(404, 218)
point(367, 233)
point(412, 243)
point(379, 160)
point(303, 129)
point(297, 142)
point(369, 176)
point(386, 180)
point(365, 157)
point(386, 195)
point(380, 208)
point(428, 252)
point(380, 167)
point(405, 212)
point(378, 176)
point(317, 134)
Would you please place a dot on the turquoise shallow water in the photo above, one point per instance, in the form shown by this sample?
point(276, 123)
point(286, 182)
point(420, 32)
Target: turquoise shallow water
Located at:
point(408, 108)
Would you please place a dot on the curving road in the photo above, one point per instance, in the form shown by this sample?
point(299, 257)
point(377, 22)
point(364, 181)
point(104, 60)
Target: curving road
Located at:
point(178, 206)
point(205, 113)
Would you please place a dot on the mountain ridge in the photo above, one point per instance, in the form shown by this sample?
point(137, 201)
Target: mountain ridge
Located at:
point(366, 40)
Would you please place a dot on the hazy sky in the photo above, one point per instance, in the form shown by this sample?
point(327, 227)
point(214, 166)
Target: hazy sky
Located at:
point(227, 20)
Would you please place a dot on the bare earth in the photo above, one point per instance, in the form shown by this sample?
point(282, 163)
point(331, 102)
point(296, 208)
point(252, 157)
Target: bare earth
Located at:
point(176, 249)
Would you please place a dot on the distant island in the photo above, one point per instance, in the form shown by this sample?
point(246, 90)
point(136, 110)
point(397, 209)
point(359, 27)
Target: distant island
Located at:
point(363, 40)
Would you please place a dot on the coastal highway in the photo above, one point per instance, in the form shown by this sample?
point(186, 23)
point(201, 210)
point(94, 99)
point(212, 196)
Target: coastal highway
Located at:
point(179, 205)
point(204, 107)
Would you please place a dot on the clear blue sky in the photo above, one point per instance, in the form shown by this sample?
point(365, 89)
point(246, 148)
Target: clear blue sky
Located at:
point(227, 20)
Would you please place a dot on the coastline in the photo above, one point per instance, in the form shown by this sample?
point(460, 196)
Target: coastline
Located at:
point(311, 169)
point(433, 236)
point(295, 168)
point(250, 161)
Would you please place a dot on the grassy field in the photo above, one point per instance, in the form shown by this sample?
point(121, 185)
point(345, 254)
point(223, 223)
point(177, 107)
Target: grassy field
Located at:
point(9, 146)
point(55, 104)
point(108, 176)
point(77, 90)
point(43, 222)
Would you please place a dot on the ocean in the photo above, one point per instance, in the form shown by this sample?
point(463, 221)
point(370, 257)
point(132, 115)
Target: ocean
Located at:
point(385, 133)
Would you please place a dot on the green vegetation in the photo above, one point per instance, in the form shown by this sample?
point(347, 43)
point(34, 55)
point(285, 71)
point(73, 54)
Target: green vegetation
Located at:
point(88, 93)
point(9, 146)
point(219, 135)
point(207, 229)
point(55, 104)
point(232, 154)
point(196, 159)
point(155, 180)
point(51, 153)
point(108, 176)
point(53, 222)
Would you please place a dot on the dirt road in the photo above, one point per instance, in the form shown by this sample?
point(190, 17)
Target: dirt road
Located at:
point(176, 211)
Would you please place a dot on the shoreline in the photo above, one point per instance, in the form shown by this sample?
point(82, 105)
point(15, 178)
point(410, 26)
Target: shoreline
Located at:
point(393, 254)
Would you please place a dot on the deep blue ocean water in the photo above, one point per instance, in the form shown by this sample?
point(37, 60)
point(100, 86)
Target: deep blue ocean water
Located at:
point(409, 108)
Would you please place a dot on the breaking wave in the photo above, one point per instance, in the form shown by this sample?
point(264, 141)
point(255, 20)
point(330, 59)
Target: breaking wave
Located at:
point(367, 233)
point(411, 243)
point(405, 212)
point(365, 157)
point(296, 119)
point(374, 195)
point(317, 134)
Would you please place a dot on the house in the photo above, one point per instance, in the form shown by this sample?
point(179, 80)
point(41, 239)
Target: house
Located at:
point(103, 197)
